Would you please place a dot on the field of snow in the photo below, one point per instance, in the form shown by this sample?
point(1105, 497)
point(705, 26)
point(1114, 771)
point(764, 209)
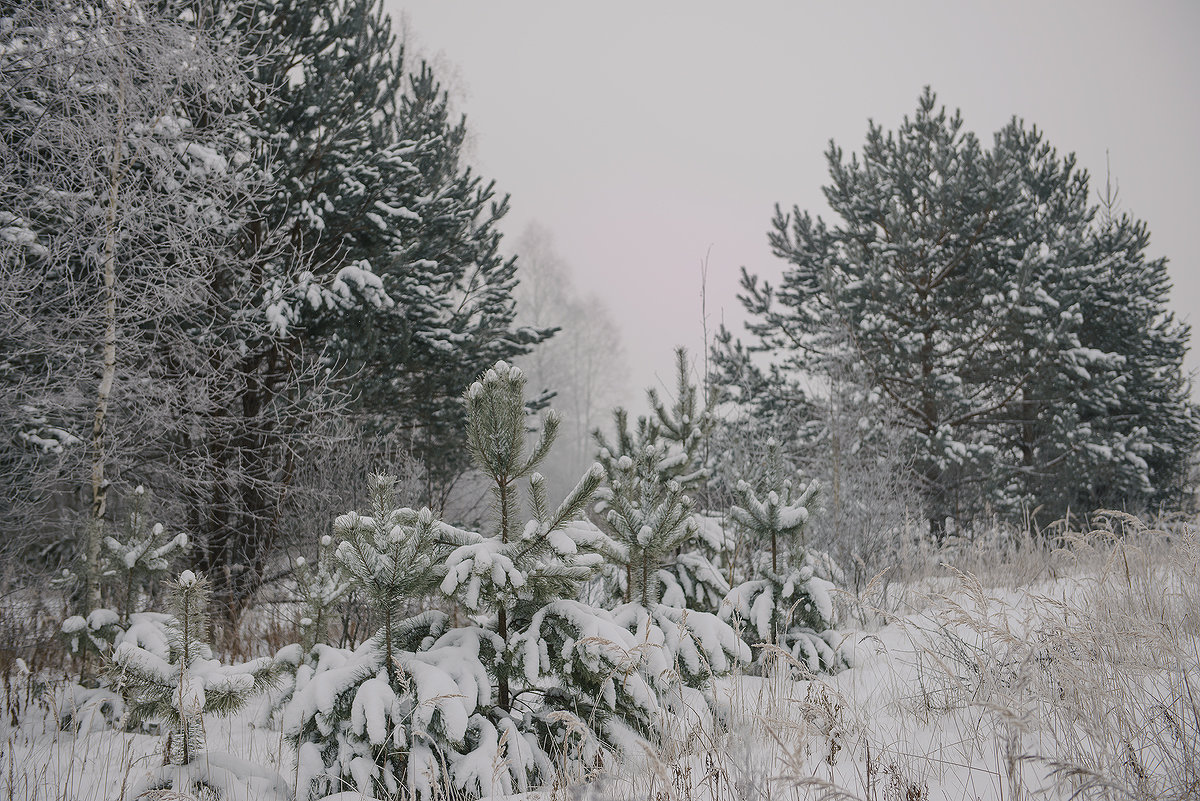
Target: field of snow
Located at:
point(1006, 673)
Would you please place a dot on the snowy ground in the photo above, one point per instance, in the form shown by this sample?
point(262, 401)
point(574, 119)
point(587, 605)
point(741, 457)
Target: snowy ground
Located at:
point(1038, 677)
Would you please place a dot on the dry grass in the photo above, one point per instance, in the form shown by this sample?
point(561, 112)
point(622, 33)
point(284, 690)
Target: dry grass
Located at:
point(1005, 667)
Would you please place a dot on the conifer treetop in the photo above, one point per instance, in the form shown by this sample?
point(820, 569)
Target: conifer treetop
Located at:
point(780, 511)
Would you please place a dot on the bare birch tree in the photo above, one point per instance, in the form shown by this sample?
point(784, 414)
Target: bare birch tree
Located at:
point(583, 364)
point(136, 286)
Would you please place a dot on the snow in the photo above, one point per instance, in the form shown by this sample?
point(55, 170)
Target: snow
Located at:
point(357, 280)
point(146, 662)
point(397, 211)
point(375, 705)
point(99, 618)
point(234, 778)
point(792, 516)
point(208, 159)
point(940, 723)
point(821, 593)
point(150, 632)
point(472, 563)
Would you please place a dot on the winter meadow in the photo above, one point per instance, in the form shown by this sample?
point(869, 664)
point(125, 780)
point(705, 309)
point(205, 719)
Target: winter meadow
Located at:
point(321, 480)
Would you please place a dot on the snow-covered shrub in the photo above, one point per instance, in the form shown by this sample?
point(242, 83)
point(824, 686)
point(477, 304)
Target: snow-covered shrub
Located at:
point(388, 715)
point(696, 578)
point(92, 636)
point(666, 580)
point(569, 680)
point(142, 557)
point(788, 602)
point(321, 588)
point(130, 564)
point(534, 684)
point(180, 687)
point(663, 451)
point(652, 519)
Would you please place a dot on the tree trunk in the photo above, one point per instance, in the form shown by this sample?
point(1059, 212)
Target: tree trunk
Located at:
point(108, 369)
point(503, 691)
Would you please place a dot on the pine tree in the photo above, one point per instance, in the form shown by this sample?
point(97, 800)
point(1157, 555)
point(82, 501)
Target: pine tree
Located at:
point(457, 290)
point(960, 283)
point(683, 429)
point(393, 241)
point(321, 590)
point(665, 454)
point(649, 515)
point(595, 687)
point(1045, 438)
point(536, 683)
point(669, 586)
point(910, 274)
point(389, 714)
point(1147, 432)
point(180, 689)
point(652, 519)
point(788, 602)
point(144, 557)
point(131, 564)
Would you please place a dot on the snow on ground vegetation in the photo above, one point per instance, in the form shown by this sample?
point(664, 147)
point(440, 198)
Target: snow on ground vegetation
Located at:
point(1002, 668)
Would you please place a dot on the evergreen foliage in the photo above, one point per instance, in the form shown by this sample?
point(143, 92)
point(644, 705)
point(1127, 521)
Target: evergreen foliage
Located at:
point(967, 287)
point(787, 603)
point(143, 558)
point(537, 683)
point(383, 716)
point(1146, 435)
point(572, 676)
point(189, 683)
point(129, 569)
point(651, 473)
point(683, 429)
point(649, 515)
point(321, 590)
point(647, 511)
point(394, 242)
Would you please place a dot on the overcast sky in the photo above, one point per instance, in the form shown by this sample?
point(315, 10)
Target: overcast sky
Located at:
point(648, 136)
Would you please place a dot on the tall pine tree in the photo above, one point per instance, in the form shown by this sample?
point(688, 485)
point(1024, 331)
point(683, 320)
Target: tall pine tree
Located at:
point(971, 289)
point(369, 274)
point(402, 284)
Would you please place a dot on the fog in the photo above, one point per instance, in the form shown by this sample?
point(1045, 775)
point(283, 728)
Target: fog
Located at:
point(652, 138)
